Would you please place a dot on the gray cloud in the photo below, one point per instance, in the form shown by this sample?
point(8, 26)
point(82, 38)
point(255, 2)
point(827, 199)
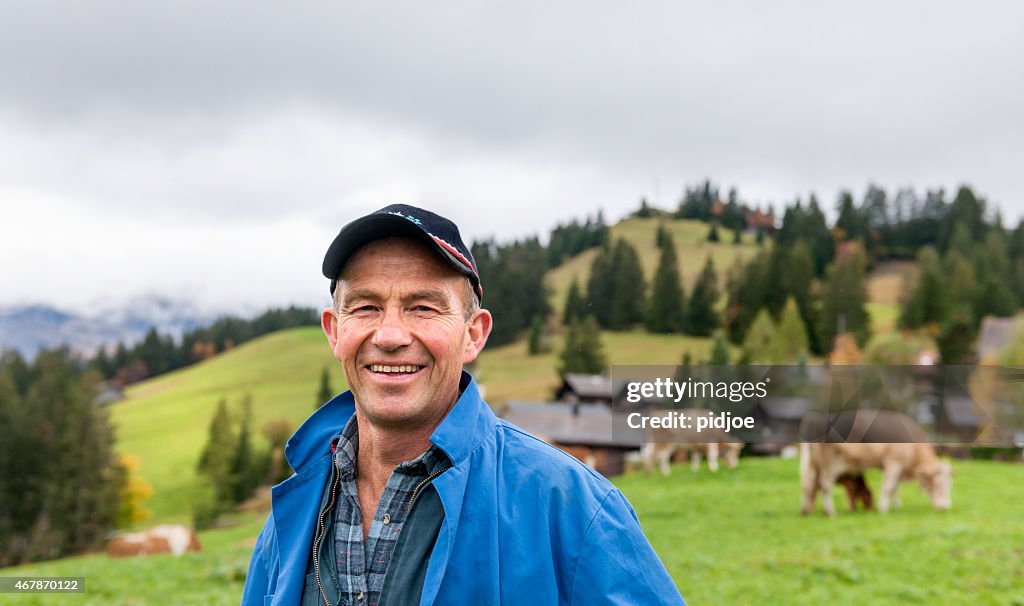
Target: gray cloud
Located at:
point(509, 116)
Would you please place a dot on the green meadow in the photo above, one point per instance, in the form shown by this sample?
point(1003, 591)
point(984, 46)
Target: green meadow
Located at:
point(734, 537)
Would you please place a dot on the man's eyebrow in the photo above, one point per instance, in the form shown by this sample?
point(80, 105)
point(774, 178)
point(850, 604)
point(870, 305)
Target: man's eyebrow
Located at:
point(357, 294)
point(436, 298)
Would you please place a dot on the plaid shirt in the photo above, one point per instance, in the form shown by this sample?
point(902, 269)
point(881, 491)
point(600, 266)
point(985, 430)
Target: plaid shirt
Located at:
point(362, 564)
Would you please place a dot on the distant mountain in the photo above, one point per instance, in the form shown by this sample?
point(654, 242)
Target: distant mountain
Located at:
point(29, 328)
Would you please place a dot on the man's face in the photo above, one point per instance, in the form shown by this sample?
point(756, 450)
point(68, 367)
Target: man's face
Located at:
point(401, 333)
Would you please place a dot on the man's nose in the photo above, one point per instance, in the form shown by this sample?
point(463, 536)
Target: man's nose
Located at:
point(392, 333)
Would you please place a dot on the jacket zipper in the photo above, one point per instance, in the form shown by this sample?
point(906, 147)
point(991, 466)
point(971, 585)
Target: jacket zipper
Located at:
point(319, 537)
point(424, 482)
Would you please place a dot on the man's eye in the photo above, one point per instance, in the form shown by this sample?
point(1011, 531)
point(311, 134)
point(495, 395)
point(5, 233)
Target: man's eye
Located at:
point(424, 309)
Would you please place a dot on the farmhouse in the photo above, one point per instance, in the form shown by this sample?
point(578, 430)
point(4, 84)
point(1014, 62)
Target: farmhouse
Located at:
point(580, 425)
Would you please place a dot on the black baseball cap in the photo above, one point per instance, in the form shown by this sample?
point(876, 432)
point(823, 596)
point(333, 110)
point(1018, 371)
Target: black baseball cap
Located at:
point(403, 220)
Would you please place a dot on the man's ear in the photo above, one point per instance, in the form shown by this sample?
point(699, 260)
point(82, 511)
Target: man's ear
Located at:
point(329, 324)
point(479, 328)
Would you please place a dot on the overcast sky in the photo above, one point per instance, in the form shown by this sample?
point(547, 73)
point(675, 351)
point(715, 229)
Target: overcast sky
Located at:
point(211, 150)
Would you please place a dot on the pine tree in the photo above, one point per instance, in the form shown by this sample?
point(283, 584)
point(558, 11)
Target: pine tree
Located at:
point(955, 338)
point(928, 301)
point(628, 294)
point(760, 339)
point(701, 317)
point(665, 310)
point(791, 341)
point(325, 393)
point(713, 233)
point(583, 351)
point(534, 344)
point(720, 355)
point(218, 457)
point(575, 305)
point(843, 305)
point(601, 287)
point(246, 472)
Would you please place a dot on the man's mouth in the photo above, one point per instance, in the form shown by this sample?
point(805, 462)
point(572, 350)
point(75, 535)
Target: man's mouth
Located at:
point(394, 369)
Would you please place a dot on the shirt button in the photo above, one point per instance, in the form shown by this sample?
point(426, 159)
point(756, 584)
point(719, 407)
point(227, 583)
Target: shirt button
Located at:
point(387, 518)
point(360, 596)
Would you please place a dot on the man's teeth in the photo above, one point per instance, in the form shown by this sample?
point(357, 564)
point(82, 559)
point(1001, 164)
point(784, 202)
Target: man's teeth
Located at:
point(396, 369)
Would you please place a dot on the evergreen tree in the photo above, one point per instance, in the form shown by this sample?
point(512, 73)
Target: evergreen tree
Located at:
point(583, 351)
point(843, 304)
point(791, 342)
point(246, 470)
point(955, 338)
point(217, 457)
point(713, 233)
point(325, 393)
point(601, 287)
point(534, 344)
point(927, 302)
point(720, 355)
point(665, 311)
point(701, 317)
point(760, 339)
point(628, 294)
point(575, 304)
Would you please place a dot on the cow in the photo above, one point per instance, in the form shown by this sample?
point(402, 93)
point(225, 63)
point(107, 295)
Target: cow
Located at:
point(851, 442)
point(165, 538)
point(662, 443)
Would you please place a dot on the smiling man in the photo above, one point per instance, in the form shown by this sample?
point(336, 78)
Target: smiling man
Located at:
point(407, 489)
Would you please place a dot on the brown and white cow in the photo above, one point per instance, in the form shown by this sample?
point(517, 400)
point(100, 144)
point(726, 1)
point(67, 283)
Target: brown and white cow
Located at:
point(662, 443)
point(853, 441)
point(165, 538)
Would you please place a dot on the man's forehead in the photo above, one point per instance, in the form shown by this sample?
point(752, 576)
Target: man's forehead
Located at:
point(394, 250)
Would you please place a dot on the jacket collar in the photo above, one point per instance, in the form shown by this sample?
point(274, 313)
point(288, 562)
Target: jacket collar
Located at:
point(465, 426)
point(467, 423)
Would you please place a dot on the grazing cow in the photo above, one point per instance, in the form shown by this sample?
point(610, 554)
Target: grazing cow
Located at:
point(857, 491)
point(166, 538)
point(662, 443)
point(883, 439)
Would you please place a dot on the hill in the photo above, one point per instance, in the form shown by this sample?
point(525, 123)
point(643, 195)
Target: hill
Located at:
point(164, 420)
point(692, 248)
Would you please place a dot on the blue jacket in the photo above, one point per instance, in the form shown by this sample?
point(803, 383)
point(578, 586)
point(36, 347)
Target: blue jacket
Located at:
point(524, 522)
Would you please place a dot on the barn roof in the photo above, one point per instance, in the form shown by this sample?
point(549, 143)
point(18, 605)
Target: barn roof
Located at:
point(592, 426)
point(590, 386)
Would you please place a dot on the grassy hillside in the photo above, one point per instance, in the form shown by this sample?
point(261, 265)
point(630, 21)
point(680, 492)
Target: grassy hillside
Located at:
point(164, 420)
point(731, 538)
point(692, 248)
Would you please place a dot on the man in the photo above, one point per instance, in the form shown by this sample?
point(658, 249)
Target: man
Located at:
point(407, 489)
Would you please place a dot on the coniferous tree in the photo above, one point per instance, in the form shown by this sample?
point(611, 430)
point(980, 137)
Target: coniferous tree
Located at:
point(955, 338)
point(246, 469)
point(701, 316)
point(601, 286)
point(628, 294)
point(575, 304)
point(927, 302)
point(760, 339)
point(217, 457)
point(534, 344)
point(843, 305)
point(583, 351)
point(325, 393)
point(791, 342)
point(665, 310)
point(713, 233)
point(720, 355)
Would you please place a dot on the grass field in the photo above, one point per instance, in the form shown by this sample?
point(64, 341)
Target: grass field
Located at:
point(729, 538)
